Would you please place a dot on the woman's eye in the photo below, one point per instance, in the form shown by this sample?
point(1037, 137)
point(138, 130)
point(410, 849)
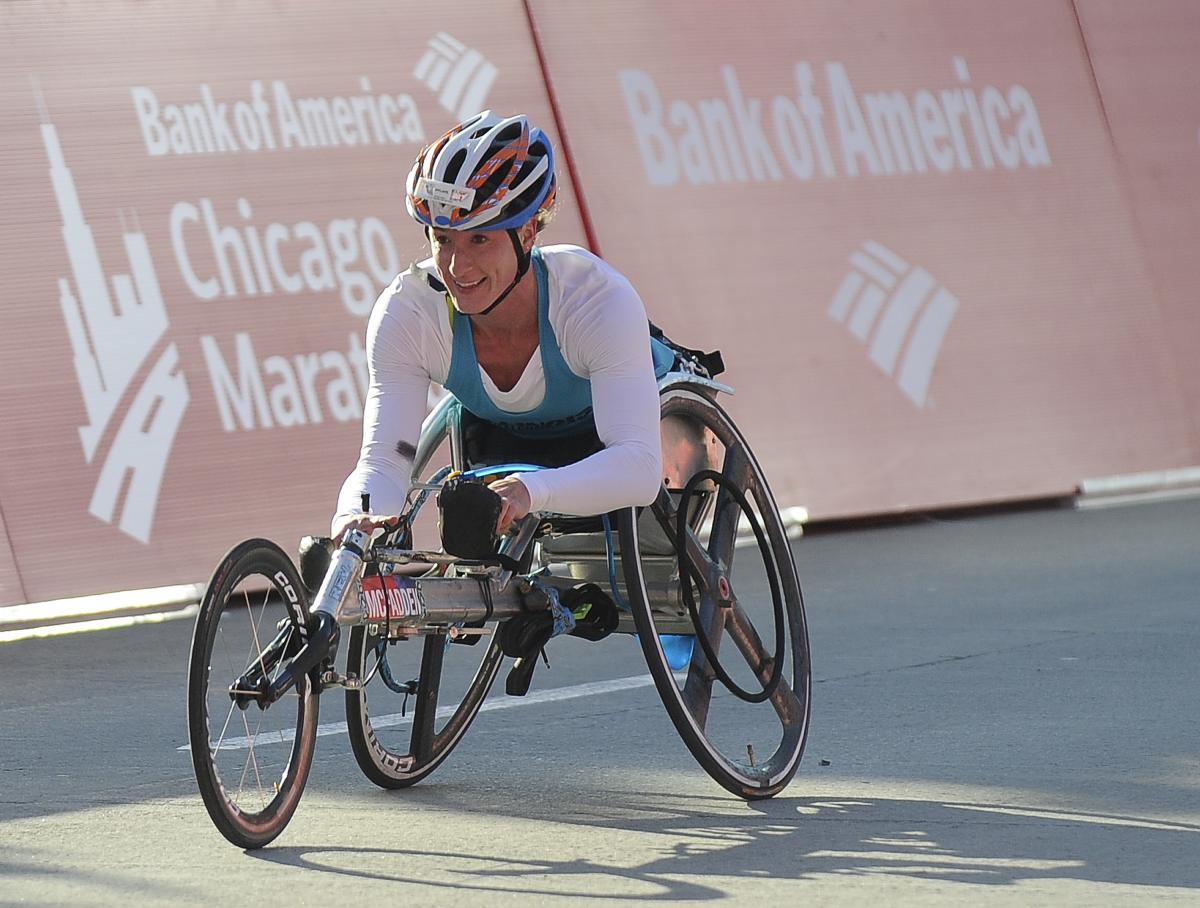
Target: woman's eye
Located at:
point(479, 239)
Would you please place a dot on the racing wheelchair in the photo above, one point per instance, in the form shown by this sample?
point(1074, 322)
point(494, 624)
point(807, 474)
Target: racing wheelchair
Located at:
point(703, 578)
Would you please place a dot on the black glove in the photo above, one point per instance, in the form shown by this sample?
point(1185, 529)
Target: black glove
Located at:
point(469, 511)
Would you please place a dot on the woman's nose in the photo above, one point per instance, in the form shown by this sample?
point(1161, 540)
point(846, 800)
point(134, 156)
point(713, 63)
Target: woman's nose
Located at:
point(460, 261)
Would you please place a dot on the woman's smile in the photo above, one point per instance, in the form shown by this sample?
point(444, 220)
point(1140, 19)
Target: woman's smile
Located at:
point(467, 286)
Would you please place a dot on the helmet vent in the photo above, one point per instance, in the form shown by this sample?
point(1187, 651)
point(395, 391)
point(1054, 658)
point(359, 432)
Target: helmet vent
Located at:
point(510, 133)
point(454, 165)
point(495, 180)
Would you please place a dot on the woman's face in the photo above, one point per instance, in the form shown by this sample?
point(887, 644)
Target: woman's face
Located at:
point(476, 265)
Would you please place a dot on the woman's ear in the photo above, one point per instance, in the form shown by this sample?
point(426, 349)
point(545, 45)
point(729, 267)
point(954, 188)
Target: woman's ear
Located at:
point(527, 233)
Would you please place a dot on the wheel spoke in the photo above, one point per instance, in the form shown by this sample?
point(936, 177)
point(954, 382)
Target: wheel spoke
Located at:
point(251, 759)
point(428, 688)
point(228, 655)
point(697, 688)
point(665, 512)
point(224, 728)
point(726, 513)
point(254, 625)
point(249, 621)
point(744, 634)
point(232, 705)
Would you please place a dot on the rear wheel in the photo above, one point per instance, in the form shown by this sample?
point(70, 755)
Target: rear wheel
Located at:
point(741, 703)
point(251, 761)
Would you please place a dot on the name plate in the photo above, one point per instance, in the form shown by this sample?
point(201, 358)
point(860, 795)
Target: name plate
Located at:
point(392, 598)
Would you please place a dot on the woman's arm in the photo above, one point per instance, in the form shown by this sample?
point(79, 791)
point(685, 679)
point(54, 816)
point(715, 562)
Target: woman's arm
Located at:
point(610, 337)
point(395, 406)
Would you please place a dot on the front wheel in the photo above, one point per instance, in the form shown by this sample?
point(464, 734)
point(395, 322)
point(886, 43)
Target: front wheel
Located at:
point(251, 761)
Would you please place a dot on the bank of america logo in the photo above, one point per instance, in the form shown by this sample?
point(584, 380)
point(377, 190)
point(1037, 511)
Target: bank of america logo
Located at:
point(461, 75)
point(899, 311)
point(113, 340)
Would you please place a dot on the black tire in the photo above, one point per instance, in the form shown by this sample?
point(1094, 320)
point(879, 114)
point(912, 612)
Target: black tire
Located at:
point(752, 749)
point(408, 739)
point(410, 736)
point(249, 777)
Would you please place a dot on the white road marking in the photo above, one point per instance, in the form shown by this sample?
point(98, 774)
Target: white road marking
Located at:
point(590, 689)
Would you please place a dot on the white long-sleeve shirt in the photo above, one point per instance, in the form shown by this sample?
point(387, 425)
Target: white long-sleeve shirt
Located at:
point(599, 323)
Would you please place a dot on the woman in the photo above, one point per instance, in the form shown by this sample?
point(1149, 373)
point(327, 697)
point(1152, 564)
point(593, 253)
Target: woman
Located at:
point(544, 342)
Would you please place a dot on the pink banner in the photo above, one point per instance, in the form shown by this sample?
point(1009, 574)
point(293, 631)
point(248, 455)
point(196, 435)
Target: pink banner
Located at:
point(202, 203)
point(10, 580)
point(902, 223)
point(1147, 62)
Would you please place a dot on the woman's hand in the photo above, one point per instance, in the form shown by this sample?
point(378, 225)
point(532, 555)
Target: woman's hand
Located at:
point(515, 500)
point(365, 523)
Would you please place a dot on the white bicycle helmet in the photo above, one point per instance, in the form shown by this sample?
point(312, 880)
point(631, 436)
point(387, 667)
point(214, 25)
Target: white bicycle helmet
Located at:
point(488, 173)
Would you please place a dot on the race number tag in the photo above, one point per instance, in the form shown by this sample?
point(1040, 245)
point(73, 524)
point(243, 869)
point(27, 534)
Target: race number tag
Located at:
point(445, 193)
point(392, 598)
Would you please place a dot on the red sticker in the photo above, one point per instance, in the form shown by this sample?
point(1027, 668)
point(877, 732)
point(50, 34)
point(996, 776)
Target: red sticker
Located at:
point(392, 598)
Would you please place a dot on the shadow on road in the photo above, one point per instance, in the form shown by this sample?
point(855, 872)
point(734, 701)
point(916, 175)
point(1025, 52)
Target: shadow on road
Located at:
point(40, 871)
point(703, 845)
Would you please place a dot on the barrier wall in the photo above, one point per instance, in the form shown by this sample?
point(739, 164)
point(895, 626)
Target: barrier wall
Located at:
point(10, 580)
point(1147, 63)
point(904, 224)
point(197, 223)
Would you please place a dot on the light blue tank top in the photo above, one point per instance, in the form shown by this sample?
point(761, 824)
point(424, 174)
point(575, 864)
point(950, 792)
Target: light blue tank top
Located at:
point(567, 406)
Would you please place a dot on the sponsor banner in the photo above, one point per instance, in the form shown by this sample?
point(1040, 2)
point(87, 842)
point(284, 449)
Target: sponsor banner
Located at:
point(904, 228)
point(197, 223)
point(1147, 63)
point(10, 580)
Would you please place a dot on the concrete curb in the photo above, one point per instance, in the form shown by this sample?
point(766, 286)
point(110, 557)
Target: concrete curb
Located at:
point(107, 610)
point(1131, 488)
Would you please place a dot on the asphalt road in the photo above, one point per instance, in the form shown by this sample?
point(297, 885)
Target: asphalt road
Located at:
point(1005, 710)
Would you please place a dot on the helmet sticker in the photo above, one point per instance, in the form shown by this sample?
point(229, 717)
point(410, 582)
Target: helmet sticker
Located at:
point(444, 193)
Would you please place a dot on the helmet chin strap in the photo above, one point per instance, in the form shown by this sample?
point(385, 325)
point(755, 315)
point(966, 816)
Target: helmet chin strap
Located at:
point(523, 259)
